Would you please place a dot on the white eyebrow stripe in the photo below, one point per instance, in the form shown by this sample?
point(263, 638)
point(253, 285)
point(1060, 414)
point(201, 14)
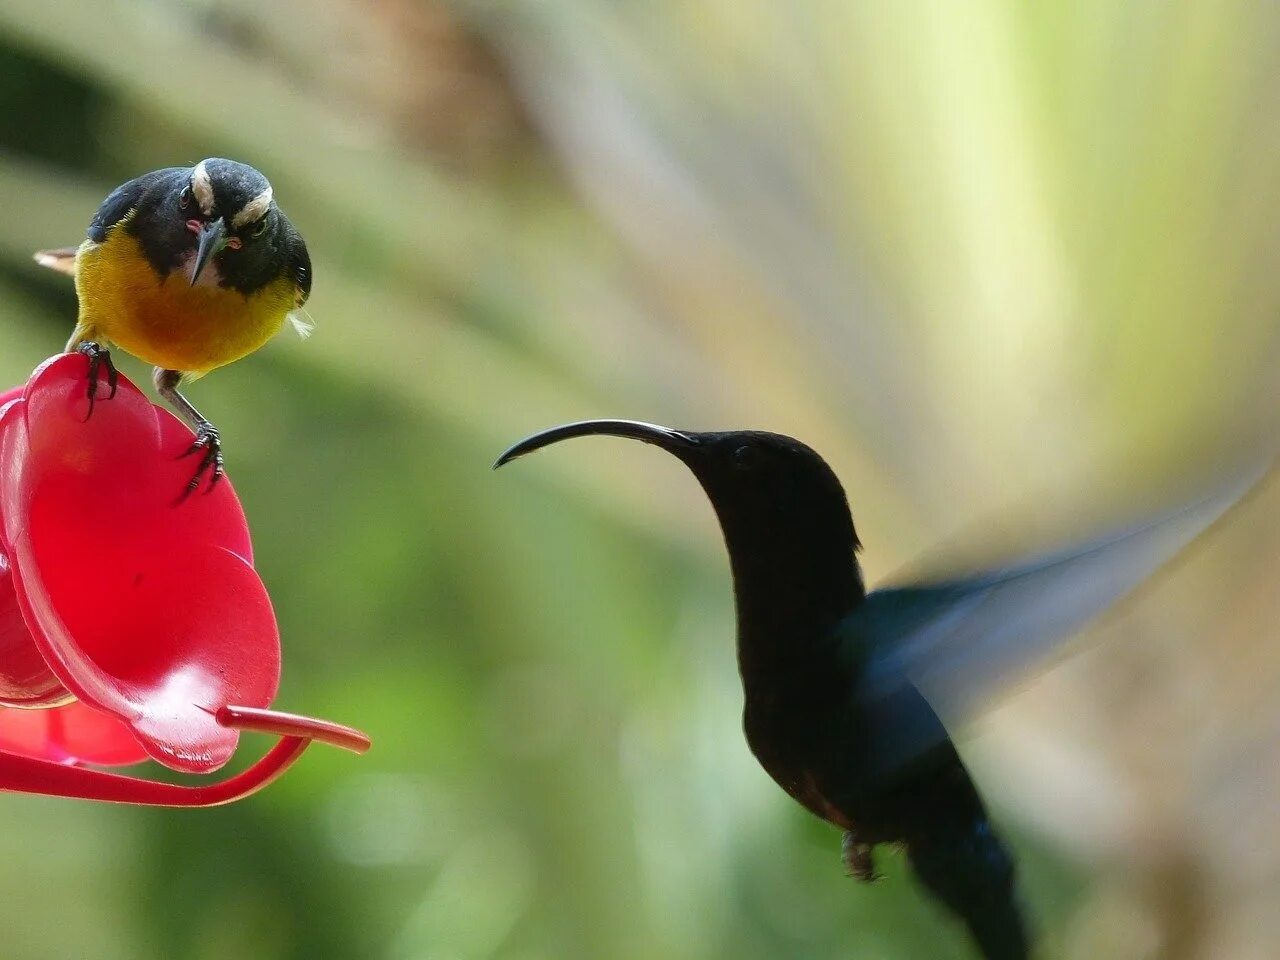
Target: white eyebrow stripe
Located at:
point(253, 210)
point(202, 187)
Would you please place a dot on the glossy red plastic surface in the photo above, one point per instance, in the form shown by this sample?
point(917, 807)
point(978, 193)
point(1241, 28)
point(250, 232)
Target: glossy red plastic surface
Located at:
point(69, 734)
point(141, 606)
point(25, 678)
point(140, 614)
point(29, 775)
point(294, 725)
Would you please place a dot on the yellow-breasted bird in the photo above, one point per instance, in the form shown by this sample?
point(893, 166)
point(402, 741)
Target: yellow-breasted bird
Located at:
point(189, 269)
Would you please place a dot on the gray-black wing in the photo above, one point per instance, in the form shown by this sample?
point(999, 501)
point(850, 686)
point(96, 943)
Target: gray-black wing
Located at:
point(125, 198)
point(956, 641)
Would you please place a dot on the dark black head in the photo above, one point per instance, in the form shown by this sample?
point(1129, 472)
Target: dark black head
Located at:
point(785, 518)
point(218, 224)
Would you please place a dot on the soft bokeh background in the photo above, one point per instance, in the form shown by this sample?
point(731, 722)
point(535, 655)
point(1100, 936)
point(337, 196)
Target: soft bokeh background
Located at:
point(1011, 267)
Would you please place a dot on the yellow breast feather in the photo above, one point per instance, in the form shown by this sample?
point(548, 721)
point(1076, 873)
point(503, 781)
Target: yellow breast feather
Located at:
point(168, 322)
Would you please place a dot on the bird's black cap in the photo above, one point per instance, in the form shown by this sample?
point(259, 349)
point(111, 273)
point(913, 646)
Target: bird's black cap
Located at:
point(219, 212)
point(231, 190)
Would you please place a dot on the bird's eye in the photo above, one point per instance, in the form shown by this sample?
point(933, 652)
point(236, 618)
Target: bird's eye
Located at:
point(259, 228)
point(747, 457)
point(184, 198)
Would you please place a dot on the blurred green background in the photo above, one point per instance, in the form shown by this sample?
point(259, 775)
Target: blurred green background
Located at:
point(1006, 265)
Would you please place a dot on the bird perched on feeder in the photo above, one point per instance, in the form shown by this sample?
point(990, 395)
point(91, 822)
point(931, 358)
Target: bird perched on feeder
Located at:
point(843, 688)
point(189, 269)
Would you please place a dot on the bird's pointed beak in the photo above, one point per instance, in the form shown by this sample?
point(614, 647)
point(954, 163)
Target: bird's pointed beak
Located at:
point(211, 238)
point(673, 441)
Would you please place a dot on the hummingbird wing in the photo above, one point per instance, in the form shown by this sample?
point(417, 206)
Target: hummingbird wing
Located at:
point(958, 640)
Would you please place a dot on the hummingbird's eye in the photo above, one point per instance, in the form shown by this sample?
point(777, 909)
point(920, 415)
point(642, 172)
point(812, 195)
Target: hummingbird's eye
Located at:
point(184, 198)
point(259, 229)
point(747, 457)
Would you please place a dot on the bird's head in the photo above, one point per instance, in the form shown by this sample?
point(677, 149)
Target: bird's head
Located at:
point(782, 509)
point(218, 224)
point(229, 210)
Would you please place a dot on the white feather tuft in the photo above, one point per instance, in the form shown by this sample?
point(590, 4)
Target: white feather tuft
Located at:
point(302, 323)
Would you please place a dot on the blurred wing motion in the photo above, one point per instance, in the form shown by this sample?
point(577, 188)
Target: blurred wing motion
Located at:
point(63, 260)
point(957, 641)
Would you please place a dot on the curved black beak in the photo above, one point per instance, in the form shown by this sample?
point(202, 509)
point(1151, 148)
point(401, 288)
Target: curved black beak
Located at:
point(673, 441)
point(211, 238)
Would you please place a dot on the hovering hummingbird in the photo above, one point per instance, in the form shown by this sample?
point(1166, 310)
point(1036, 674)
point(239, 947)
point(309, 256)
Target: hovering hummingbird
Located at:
point(843, 688)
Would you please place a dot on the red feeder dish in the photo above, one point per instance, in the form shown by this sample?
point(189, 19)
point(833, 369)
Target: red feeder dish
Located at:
point(131, 624)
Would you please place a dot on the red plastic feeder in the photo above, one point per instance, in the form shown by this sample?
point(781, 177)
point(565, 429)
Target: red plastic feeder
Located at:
point(131, 625)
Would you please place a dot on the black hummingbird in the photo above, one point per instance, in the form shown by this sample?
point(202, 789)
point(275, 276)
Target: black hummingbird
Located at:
point(838, 683)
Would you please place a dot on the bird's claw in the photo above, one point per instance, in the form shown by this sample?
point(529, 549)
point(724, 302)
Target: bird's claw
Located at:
point(858, 862)
point(211, 461)
point(99, 357)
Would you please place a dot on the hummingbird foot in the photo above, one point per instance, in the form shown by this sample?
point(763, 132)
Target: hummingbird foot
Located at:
point(857, 859)
point(211, 462)
point(99, 359)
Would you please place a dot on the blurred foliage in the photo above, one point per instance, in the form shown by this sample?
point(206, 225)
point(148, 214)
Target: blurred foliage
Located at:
point(1009, 266)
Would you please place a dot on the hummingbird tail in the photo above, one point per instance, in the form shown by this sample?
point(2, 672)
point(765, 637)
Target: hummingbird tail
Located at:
point(969, 870)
